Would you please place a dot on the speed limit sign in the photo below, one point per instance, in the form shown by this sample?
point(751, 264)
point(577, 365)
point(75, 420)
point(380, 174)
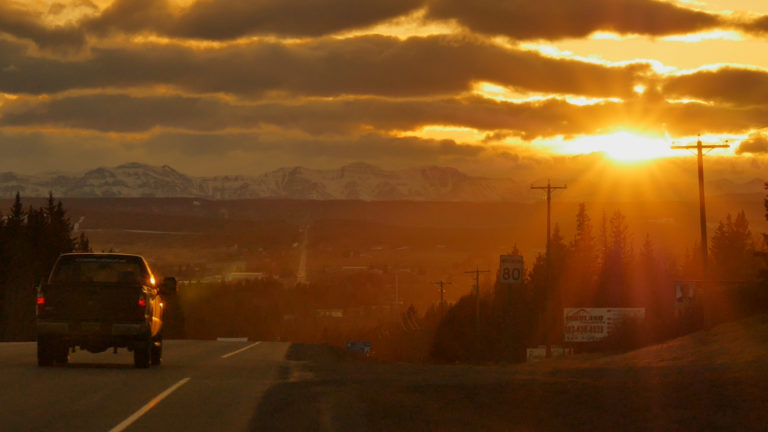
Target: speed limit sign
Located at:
point(511, 269)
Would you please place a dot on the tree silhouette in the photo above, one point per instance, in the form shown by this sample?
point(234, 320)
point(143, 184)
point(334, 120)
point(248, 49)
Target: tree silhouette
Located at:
point(733, 250)
point(30, 242)
point(582, 266)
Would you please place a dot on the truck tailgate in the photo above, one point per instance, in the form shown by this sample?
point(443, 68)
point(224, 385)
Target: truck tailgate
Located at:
point(93, 302)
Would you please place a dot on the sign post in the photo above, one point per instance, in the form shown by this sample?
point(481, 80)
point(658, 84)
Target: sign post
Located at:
point(511, 277)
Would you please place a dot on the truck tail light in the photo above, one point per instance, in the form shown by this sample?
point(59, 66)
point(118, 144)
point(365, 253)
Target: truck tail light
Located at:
point(40, 304)
point(142, 302)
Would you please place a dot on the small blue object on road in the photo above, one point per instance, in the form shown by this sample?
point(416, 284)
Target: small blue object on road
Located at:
point(360, 347)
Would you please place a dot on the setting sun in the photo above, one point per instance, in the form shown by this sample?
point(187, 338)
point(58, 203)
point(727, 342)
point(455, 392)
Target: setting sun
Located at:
point(621, 146)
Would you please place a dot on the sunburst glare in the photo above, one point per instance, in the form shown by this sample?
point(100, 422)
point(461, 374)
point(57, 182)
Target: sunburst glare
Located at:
point(622, 146)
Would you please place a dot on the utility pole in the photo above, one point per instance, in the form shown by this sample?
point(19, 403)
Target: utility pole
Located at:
point(549, 188)
point(702, 208)
point(477, 272)
point(397, 292)
point(397, 288)
point(442, 296)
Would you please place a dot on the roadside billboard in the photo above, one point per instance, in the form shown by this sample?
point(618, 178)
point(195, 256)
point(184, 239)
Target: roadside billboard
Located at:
point(594, 324)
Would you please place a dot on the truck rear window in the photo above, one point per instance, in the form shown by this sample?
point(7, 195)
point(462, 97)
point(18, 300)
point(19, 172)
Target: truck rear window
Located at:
point(99, 270)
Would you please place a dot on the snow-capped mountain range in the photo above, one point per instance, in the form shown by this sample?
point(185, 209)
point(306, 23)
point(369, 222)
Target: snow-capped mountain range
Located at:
point(358, 181)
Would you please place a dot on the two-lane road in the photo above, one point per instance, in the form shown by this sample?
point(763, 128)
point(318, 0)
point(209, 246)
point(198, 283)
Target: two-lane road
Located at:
point(201, 386)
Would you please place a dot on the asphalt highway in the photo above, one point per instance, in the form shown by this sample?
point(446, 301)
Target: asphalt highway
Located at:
point(201, 386)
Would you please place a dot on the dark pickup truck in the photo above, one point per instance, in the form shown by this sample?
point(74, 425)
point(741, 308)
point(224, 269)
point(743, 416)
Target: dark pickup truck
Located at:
point(98, 301)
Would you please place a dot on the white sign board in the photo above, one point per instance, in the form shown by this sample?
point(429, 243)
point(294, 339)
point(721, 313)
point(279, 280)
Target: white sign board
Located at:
point(593, 324)
point(510, 269)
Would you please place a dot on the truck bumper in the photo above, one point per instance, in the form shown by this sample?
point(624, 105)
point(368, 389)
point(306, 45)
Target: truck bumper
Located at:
point(88, 330)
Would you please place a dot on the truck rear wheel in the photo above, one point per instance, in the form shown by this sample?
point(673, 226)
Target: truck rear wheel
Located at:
point(51, 350)
point(45, 353)
point(156, 352)
point(61, 353)
point(141, 355)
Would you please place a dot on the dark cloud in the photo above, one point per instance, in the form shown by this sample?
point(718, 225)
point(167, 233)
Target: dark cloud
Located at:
point(223, 20)
point(124, 113)
point(373, 65)
point(129, 114)
point(231, 19)
point(688, 119)
point(759, 25)
point(23, 24)
point(726, 85)
point(556, 19)
point(756, 143)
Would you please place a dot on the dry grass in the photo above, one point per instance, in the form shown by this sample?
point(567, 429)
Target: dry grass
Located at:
point(713, 380)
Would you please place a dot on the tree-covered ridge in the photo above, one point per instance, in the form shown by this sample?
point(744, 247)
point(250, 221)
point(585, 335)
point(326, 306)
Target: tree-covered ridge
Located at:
point(601, 268)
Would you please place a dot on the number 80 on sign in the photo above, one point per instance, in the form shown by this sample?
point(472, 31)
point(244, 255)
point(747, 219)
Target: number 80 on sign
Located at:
point(511, 269)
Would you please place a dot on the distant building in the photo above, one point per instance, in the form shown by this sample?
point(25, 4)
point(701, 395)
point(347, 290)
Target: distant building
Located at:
point(243, 276)
point(329, 313)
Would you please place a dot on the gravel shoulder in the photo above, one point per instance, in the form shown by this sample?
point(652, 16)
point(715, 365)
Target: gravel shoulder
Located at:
point(712, 380)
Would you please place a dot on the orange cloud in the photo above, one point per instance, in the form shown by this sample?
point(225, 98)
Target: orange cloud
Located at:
point(732, 85)
point(756, 143)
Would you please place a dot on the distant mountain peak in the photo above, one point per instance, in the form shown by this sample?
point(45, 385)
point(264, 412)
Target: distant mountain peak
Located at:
point(356, 181)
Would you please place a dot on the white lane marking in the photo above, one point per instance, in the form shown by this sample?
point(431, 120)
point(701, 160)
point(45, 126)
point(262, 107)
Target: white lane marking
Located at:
point(240, 350)
point(151, 404)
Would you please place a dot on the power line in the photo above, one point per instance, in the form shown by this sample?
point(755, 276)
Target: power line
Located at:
point(702, 207)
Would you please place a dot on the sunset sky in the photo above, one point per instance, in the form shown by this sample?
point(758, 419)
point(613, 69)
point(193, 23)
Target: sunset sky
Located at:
point(492, 87)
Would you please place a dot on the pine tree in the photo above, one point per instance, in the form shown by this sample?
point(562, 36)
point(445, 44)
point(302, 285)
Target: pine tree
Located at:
point(3, 271)
point(581, 266)
point(616, 260)
point(647, 276)
point(31, 242)
point(733, 249)
point(544, 281)
point(82, 244)
point(16, 217)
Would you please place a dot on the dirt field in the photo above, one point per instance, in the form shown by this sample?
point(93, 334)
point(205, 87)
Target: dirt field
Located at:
point(714, 380)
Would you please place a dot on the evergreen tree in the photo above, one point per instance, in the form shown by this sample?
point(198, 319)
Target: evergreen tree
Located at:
point(733, 250)
point(581, 265)
point(617, 255)
point(30, 242)
point(3, 271)
point(16, 217)
point(647, 279)
point(82, 244)
point(545, 282)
